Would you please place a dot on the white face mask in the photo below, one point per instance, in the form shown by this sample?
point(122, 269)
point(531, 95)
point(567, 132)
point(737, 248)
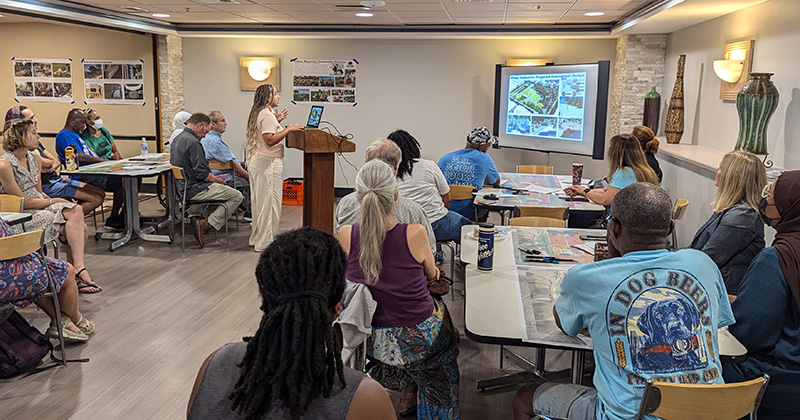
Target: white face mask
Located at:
point(98, 123)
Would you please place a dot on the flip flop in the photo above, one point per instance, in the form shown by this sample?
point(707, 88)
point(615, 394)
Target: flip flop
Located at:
point(84, 285)
point(69, 336)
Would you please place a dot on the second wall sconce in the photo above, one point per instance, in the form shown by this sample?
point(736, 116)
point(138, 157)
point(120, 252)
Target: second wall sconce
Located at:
point(733, 71)
point(521, 62)
point(255, 71)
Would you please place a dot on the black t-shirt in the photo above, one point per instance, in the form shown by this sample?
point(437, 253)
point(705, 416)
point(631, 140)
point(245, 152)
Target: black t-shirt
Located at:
point(46, 176)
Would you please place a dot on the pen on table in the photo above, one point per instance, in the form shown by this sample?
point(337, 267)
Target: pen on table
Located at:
point(540, 260)
point(548, 259)
point(591, 237)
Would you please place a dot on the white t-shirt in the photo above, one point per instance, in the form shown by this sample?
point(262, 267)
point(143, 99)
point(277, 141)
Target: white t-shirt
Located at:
point(425, 185)
point(268, 123)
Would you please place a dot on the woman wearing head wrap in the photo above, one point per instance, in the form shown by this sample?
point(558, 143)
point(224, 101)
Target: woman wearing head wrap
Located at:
point(767, 308)
point(178, 124)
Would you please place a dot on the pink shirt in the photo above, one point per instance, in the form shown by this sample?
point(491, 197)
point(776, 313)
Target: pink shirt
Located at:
point(268, 123)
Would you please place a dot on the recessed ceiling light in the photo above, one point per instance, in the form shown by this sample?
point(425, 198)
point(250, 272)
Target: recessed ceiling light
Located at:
point(1, 16)
point(364, 14)
point(593, 14)
point(160, 15)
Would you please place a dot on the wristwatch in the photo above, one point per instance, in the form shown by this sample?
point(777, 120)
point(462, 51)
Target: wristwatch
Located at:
point(587, 190)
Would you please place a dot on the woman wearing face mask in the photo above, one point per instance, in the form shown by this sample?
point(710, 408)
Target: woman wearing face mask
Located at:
point(98, 138)
point(767, 308)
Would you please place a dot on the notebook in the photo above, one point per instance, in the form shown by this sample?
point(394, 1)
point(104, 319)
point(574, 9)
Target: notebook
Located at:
point(314, 116)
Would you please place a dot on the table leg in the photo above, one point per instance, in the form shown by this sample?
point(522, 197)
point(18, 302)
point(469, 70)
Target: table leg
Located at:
point(578, 364)
point(532, 372)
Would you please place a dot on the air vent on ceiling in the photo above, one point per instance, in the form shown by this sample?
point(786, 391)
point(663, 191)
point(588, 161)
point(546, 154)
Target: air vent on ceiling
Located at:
point(134, 9)
point(364, 5)
point(218, 1)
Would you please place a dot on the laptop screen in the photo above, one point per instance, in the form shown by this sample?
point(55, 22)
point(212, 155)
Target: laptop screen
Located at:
point(314, 116)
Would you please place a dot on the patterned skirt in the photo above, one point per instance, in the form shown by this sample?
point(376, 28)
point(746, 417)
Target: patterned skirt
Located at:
point(426, 355)
point(49, 219)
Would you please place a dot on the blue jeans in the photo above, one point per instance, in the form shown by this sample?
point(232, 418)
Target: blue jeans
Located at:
point(448, 228)
point(576, 402)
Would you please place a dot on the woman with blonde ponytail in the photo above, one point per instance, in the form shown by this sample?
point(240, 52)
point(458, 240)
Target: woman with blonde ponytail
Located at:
point(265, 163)
point(413, 339)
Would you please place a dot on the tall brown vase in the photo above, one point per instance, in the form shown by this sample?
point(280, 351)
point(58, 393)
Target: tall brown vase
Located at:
point(674, 126)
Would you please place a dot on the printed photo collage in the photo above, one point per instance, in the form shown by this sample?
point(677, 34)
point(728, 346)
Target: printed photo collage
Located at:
point(113, 82)
point(43, 80)
point(330, 81)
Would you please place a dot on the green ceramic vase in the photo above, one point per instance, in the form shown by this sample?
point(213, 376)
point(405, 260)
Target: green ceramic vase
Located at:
point(755, 103)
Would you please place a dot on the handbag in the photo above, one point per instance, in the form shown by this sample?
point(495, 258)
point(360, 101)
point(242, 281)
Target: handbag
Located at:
point(22, 347)
point(439, 287)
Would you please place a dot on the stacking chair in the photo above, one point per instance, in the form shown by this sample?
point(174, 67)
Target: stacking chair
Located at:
point(537, 221)
point(181, 204)
point(457, 192)
point(677, 214)
point(224, 166)
point(16, 246)
point(673, 401)
point(535, 169)
point(542, 211)
point(16, 204)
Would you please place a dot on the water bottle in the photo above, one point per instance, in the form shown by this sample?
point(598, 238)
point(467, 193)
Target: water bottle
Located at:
point(69, 158)
point(144, 147)
point(485, 246)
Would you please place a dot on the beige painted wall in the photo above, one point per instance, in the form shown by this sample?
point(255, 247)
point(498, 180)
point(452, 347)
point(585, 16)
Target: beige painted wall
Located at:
point(438, 90)
point(67, 41)
point(713, 123)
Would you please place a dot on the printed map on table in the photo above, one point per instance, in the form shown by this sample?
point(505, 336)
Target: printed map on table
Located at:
point(509, 200)
point(538, 290)
point(522, 181)
point(551, 242)
point(124, 167)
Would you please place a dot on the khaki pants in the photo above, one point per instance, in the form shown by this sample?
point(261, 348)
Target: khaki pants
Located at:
point(266, 193)
point(216, 214)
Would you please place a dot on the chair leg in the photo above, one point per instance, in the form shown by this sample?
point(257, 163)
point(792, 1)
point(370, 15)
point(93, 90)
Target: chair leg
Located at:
point(57, 307)
point(183, 227)
point(674, 240)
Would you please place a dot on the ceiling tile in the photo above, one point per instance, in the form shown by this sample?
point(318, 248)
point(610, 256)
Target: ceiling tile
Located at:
point(414, 6)
point(475, 6)
point(300, 8)
point(478, 21)
point(238, 8)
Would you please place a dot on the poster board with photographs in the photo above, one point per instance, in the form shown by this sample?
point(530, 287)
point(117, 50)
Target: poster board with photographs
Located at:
point(43, 79)
point(113, 81)
point(324, 81)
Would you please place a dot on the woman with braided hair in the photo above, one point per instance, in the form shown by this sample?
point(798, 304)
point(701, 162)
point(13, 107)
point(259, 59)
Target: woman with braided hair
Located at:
point(294, 358)
point(413, 341)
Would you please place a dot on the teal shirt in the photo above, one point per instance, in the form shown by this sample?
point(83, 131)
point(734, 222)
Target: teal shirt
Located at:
point(101, 145)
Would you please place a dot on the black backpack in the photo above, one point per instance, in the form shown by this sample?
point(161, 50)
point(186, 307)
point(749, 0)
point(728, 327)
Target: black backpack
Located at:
point(22, 347)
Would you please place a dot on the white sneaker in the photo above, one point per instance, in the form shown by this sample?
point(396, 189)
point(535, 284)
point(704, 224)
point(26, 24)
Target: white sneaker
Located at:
point(247, 219)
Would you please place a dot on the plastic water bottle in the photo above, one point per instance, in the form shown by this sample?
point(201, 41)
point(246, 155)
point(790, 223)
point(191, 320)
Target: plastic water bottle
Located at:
point(145, 152)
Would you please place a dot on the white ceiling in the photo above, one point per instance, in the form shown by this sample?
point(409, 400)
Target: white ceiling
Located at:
point(426, 17)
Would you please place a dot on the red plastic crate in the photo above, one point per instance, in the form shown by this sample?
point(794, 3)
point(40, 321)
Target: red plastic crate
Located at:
point(293, 192)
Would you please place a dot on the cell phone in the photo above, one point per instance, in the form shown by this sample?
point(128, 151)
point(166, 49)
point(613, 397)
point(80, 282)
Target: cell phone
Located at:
point(529, 250)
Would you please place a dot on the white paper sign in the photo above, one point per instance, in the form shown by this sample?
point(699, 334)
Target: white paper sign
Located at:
point(43, 79)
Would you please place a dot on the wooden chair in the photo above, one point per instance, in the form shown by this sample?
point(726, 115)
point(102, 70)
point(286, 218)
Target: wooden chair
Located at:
point(535, 169)
point(673, 401)
point(677, 214)
point(461, 192)
point(542, 211)
point(22, 244)
point(457, 192)
point(180, 198)
point(537, 222)
point(16, 204)
point(215, 164)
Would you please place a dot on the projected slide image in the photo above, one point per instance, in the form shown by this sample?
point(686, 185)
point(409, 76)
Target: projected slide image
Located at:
point(543, 126)
point(570, 128)
point(519, 124)
point(537, 95)
point(570, 106)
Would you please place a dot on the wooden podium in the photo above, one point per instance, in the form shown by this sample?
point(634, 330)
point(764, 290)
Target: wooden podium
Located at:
point(319, 148)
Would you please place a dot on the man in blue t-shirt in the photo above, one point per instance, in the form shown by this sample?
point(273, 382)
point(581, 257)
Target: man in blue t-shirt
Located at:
point(471, 165)
point(651, 313)
point(84, 155)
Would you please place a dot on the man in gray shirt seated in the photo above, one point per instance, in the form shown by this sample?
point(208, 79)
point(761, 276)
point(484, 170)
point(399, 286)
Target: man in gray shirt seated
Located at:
point(405, 210)
point(187, 152)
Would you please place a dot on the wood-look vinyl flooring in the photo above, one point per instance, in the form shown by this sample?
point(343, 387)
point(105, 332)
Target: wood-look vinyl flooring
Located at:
point(162, 313)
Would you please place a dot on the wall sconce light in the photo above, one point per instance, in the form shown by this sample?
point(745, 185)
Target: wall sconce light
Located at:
point(522, 62)
point(738, 62)
point(255, 71)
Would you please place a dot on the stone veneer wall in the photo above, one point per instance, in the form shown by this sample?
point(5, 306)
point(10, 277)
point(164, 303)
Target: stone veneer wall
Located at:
point(639, 66)
point(170, 62)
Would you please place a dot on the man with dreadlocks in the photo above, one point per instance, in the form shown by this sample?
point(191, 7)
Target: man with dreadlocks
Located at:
point(281, 372)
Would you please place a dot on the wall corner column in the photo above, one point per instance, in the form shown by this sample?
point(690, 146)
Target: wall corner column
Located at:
point(170, 59)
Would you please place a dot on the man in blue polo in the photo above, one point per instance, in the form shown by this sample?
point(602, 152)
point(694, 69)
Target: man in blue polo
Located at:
point(651, 313)
point(216, 148)
point(471, 165)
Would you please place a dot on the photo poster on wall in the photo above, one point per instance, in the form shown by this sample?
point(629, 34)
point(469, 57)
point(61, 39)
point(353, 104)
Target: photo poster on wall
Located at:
point(43, 79)
point(324, 81)
point(113, 82)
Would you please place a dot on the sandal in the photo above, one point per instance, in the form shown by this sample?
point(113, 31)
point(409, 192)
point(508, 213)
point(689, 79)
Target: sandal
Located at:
point(86, 326)
point(69, 336)
point(84, 286)
point(409, 406)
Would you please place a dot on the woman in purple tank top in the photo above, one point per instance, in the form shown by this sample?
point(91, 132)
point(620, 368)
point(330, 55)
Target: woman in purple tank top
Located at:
point(413, 339)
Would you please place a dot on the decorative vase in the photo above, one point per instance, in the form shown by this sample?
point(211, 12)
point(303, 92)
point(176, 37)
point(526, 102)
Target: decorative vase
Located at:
point(674, 127)
point(652, 110)
point(756, 103)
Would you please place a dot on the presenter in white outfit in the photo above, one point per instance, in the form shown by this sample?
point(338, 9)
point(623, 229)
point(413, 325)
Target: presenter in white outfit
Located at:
point(265, 164)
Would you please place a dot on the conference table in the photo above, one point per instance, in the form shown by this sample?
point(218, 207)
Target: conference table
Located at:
point(494, 313)
point(517, 190)
point(131, 170)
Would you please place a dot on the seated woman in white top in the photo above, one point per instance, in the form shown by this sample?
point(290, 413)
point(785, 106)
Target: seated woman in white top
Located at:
point(421, 180)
